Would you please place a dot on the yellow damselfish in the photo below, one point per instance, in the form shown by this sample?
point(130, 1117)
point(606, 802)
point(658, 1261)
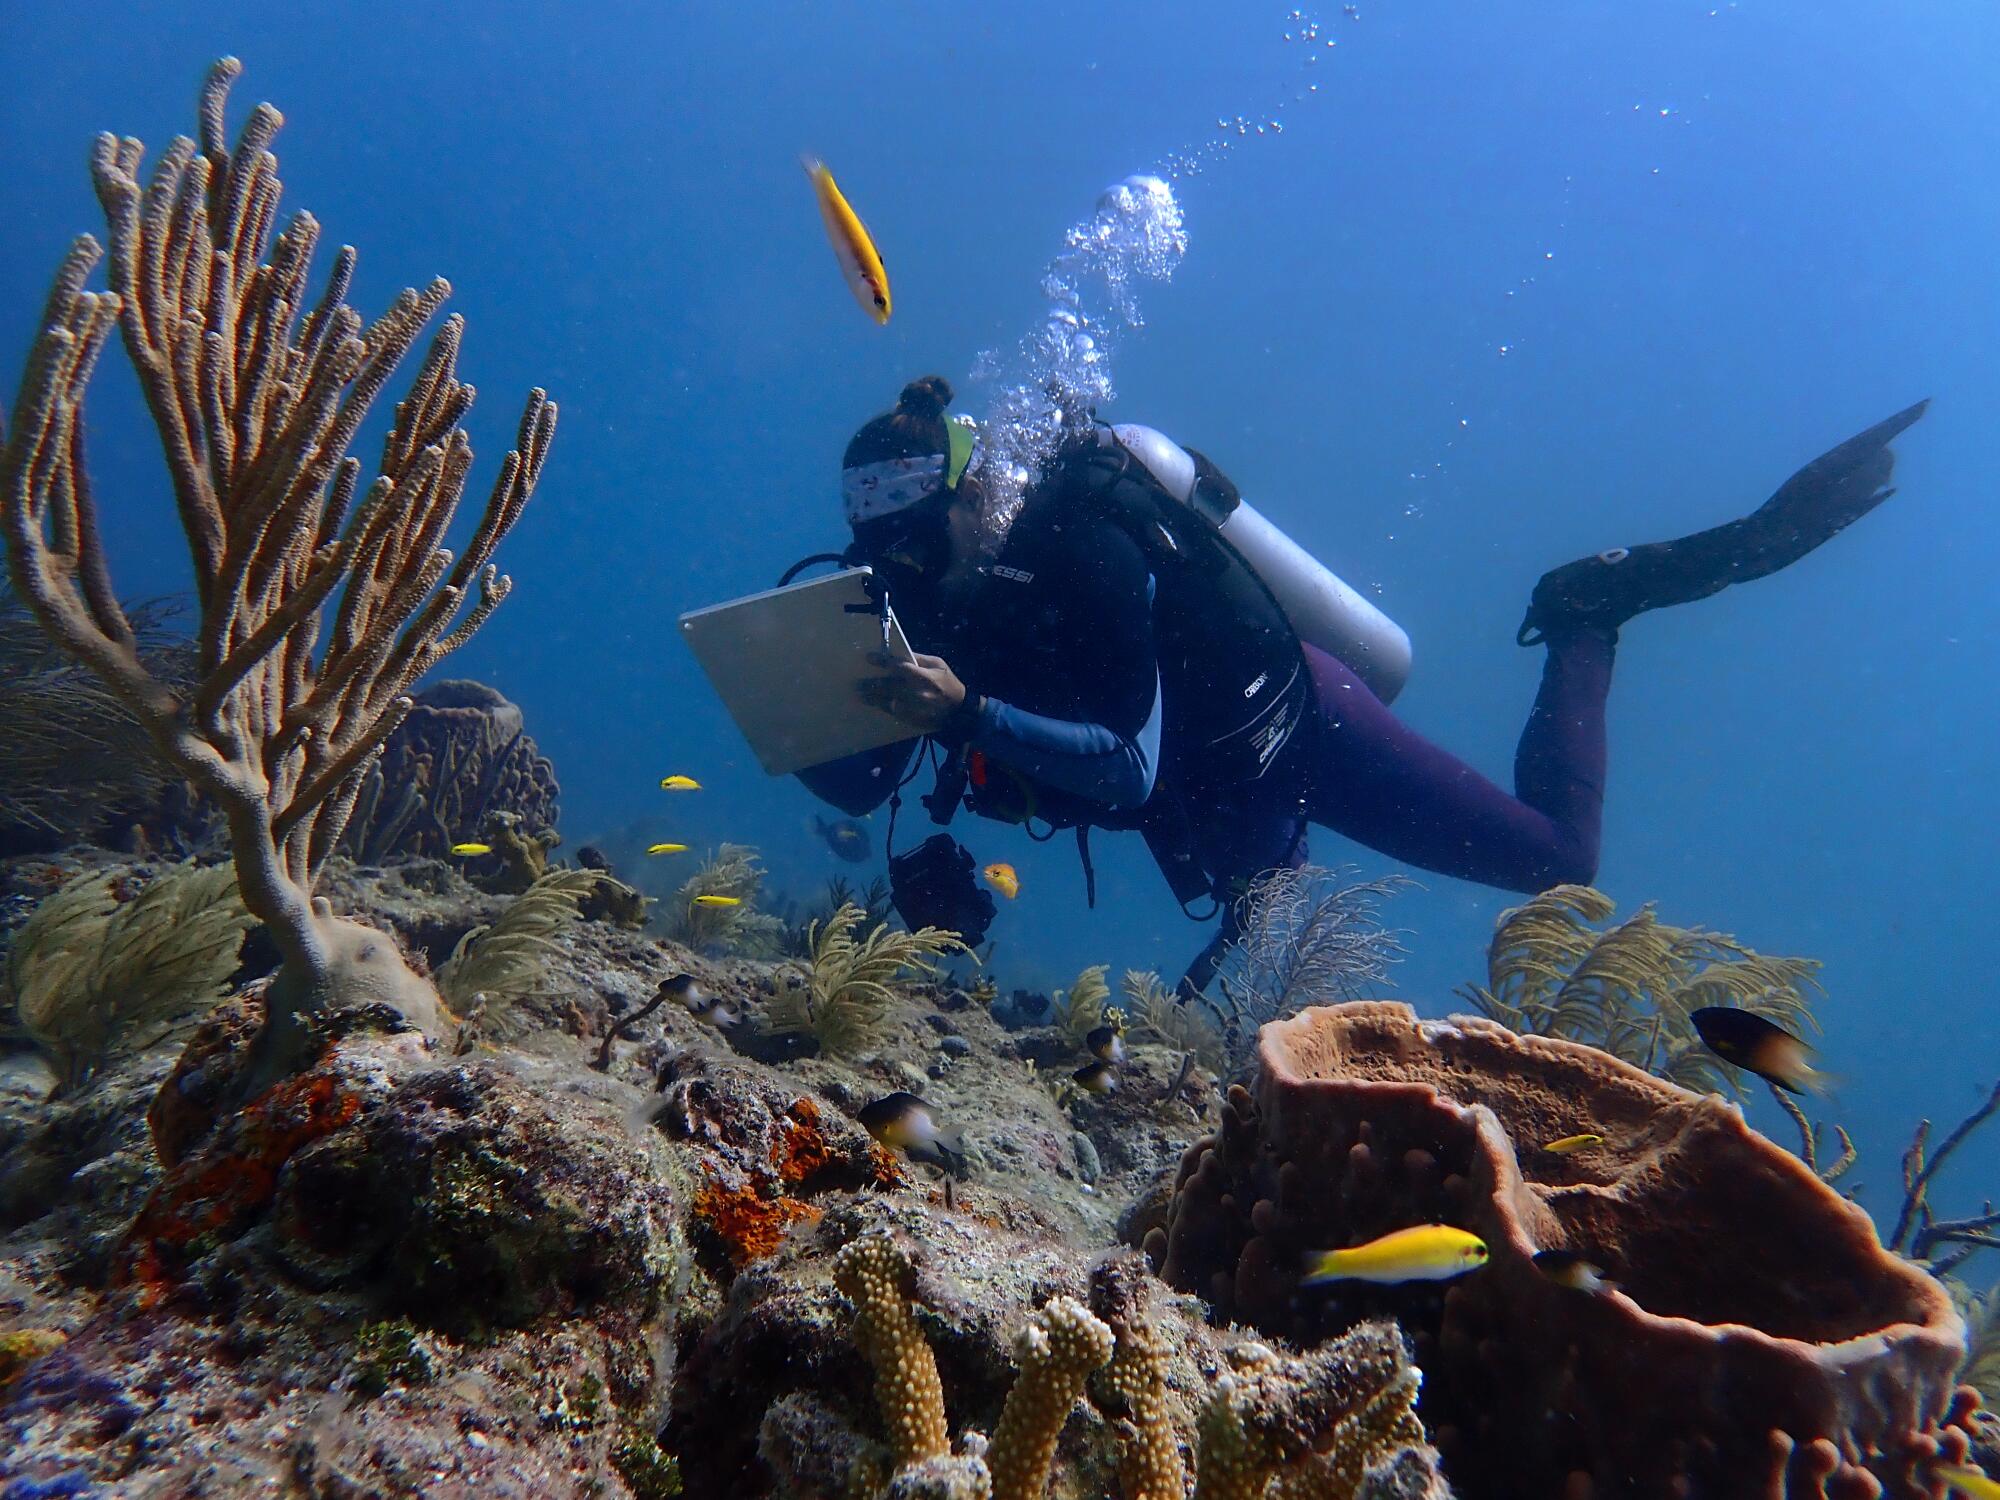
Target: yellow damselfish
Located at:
point(718, 901)
point(471, 849)
point(1003, 879)
point(666, 848)
point(1427, 1252)
point(1569, 1145)
point(679, 784)
point(853, 247)
point(1967, 1480)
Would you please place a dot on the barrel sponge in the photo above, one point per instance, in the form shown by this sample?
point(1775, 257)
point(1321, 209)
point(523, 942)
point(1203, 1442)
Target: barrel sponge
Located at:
point(872, 1273)
point(1057, 1351)
point(1760, 1341)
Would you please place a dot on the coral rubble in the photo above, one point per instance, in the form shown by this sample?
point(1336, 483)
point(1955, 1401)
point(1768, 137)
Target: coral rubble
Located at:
point(1759, 1336)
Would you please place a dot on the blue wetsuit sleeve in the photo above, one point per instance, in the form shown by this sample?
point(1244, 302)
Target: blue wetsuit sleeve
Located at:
point(1085, 759)
point(858, 784)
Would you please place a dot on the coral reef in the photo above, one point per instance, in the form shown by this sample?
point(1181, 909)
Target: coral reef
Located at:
point(462, 754)
point(256, 411)
point(106, 963)
point(1759, 1335)
point(1630, 989)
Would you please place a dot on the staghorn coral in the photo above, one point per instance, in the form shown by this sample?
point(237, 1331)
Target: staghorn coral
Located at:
point(494, 969)
point(1132, 1388)
point(256, 411)
point(873, 1274)
point(462, 755)
point(1310, 1426)
point(90, 975)
point(1304, 936)
point(1056, 1352)
point(1630, 988)
point(849, 981)
point(1760, 1335)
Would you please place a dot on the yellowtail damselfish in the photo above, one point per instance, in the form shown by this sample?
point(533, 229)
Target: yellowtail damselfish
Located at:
point(1425, 1252)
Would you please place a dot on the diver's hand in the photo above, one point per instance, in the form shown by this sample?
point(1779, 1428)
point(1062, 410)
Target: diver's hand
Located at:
point(923, 693)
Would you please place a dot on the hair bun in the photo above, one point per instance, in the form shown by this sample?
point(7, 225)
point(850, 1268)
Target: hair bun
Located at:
point(927, 396)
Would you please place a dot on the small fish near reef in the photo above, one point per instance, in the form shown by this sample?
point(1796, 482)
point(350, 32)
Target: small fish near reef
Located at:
point(471, 851)
point(1096, 1078)
point(1569, 1145)
point(1106, 1044)
point(845, 837)
point(666, 848)
point(860, 262)
point(1761, 1047)
point(718, 900)
point(1002, 878)
point(1965, 1480)
point(905, 1121)
point(1426, 1252)
point(679, 783)
point(685, 991)
point(1567, 1268)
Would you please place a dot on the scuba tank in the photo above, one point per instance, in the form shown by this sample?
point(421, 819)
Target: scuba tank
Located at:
point(1324, 611)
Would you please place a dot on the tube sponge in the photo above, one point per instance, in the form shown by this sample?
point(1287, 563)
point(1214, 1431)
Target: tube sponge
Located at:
point(1057, 1351)
point(871, 1273)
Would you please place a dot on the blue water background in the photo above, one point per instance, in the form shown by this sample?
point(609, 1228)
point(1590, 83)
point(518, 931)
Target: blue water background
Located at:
point(1713, 240)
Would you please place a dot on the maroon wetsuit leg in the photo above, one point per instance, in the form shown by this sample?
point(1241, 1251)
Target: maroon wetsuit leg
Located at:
point(1373, 779)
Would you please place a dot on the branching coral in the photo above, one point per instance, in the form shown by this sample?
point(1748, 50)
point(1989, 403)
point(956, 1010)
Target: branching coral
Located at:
point(1305, 937)
point(873, 1274)
point(1157, 1014)
point(849, 981)
point(494, 969)
point(1080, 1008)
point(88, 975)
point(1630, 989)
point(1132, 1388)
point(1917, 1231)
point(256, 410)
point(1056, 1353)
point(1315, 1424)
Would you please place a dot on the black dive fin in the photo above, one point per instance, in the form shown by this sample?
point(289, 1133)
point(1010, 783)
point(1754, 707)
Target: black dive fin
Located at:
point(1816, 504)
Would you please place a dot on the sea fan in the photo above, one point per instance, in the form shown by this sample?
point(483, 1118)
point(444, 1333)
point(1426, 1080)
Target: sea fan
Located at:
point(1158, 1015)
point(1631, 989)
point(1081, 1006)
point(733, 873)
point(89, 976)
point(1306, 937)
point(849, 982)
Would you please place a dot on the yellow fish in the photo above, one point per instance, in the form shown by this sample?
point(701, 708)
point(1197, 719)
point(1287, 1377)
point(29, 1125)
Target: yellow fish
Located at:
point(1569, 1145)
point(666, 848)
point(471, 849)
point(1966, 1480)
point(679, 784)
point(859, 261)
point(718, 901)
point(1428, 1252)
point(1003, 879)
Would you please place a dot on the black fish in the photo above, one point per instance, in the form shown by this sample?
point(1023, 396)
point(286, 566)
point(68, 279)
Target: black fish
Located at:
point(1096, 1078)
point(1107, 1044)
point(1758, 1046)
point(1567, 1268)
point(846, 838)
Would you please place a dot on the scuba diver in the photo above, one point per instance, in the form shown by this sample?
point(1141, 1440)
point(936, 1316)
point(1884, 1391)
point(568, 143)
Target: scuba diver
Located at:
point(1137, 648)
